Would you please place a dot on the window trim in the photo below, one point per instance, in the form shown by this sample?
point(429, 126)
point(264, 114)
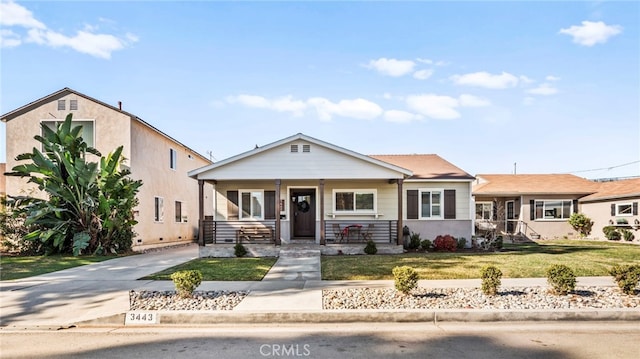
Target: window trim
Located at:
point(355, 192)
point(431, 216)
point(543, 218)
point(483, 211)
point(173, 159)
point(251, 216)
point(630, 214)
point(179, 217)
point(158, 209)
point(74, 122)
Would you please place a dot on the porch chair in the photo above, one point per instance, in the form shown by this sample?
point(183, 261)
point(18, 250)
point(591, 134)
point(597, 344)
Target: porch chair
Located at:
point(367, 233)
point(337, 232)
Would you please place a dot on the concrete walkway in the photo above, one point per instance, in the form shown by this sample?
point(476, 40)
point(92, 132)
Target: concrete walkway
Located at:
point(292, 290)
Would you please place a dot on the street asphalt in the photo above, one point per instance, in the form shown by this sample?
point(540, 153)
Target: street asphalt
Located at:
point(98, 295)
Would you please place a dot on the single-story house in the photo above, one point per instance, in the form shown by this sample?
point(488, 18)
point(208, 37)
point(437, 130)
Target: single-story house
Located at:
point(530, 205)
point(614, 203)
point(304, 190)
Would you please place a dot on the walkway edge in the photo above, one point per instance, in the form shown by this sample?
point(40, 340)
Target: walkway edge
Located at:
point(354, 316)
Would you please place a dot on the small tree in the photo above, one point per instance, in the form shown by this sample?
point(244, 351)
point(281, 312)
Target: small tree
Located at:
point(406, 278)
point(186, 282)
point(491, 279)
point(581, 223)
point(561, 278)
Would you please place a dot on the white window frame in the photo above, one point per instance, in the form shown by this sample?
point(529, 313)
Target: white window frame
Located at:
point(158, 209)
point(173, 159)
point(252, 216)
point(74, 123)
point(620, 214)
point(356, 192)
point(544, 209)
point(484, 203)
point(441, 204)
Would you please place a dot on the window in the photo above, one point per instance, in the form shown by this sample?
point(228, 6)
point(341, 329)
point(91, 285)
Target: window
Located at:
point(484, 210)
point(294, 148)
point(251, 204)
point(172, 159)
point(430, 203)
point(306, 148)
point(62, 105)
point(355, 201)
point(625, 209)
point(553, 209)
point(158, 215)
point(178, 214)
point(87, 128)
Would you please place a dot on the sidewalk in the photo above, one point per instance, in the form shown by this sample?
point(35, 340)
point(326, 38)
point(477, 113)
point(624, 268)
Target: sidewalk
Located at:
point(97, 294)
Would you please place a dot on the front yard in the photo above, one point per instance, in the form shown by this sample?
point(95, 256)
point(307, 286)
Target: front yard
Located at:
point(22, 267)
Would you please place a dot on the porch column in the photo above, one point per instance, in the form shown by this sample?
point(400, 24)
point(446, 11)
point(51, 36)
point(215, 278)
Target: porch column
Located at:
point(400, 206)
point(323, 240)
point(277, 209)
point(201, 213)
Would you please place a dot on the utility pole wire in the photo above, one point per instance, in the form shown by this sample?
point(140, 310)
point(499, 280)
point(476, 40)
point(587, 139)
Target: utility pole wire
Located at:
point(607, 168)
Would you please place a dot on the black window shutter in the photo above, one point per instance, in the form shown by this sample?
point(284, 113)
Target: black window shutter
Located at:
point(412, 204)
point(449, 204)
point(613, 209)
point(575, 206)
point(232, 205)
point(635, 208)
point(532, 209)
point(269, 204)
point(494, 216)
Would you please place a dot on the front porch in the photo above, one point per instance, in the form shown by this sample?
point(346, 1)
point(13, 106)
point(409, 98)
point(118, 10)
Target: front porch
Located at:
point(226, 250)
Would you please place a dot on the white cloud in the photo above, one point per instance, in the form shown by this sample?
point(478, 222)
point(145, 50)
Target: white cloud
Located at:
point(591, 33)
point(398, 116)
point(544, 89)
point(12, 14)
point(357, 108)
point(391, 67)
point(434, 106)
point(431, 62)
point(422, 74)
point(282, 104)
point(552, 78)
point(472, 101)
point(85, 41)
point(9, 38)
point(486, 80)
point(525, 79)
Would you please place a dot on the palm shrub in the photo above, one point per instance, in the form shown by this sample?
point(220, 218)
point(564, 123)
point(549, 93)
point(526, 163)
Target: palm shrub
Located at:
point(89, 204)
point(414, 241)
point(491, 279)
point(405, 278)
point(186, 282)
point(626, 276)
point(561, 278)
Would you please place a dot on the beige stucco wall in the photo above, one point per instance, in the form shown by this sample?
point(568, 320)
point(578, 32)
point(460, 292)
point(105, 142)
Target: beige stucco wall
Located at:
point(150, 163)
point(111, 129)
point(600, 214)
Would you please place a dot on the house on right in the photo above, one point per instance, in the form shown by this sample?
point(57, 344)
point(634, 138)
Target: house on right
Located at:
point(614, 203)
point(536, 206)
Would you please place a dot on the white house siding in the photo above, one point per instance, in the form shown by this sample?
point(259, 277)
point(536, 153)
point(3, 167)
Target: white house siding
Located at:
point(150, 163)
point(320, 162)
point(111, 129)
point(600, 213)
point(461, 226)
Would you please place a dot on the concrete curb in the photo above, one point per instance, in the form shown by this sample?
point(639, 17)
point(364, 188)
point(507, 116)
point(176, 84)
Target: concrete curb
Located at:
point(376, 316)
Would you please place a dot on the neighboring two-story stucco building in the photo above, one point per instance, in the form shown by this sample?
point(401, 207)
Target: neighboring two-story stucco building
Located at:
point(168, 209)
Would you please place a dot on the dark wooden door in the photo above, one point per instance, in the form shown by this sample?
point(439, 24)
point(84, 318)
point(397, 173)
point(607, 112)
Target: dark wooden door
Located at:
point(303, 212)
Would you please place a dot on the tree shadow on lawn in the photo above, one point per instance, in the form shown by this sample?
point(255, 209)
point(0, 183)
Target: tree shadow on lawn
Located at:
point(535, 248)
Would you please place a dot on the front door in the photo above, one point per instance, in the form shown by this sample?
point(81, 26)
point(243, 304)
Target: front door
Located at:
point(510, 217)
point(303, 212)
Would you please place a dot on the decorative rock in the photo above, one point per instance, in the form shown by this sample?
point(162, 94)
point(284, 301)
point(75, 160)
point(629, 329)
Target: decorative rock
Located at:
point(169, 300)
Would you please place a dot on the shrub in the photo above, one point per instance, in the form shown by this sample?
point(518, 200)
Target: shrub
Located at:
point(445, 243)
point(426, 244)
point(581, 223)
point(561, 278)
point(627, 235)
point(499, 242)
point(414, 241)
point(627, 277)
point(462, 242)
point(240, 250)
point(491, 276)
point(406, 278)
point(186, 282)
point(371, 248)
point(611, 233)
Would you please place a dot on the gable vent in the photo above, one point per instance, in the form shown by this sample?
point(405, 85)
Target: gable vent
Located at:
point(306, 148)
point(294, 148)
point(73, 105)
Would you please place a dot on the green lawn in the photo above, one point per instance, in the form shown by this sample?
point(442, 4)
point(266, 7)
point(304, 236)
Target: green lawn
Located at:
point(22, 267)
point(228, 269)
point(515, 261)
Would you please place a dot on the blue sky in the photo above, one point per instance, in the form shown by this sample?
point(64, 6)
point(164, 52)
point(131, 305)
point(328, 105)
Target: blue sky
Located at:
point(552, 86)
